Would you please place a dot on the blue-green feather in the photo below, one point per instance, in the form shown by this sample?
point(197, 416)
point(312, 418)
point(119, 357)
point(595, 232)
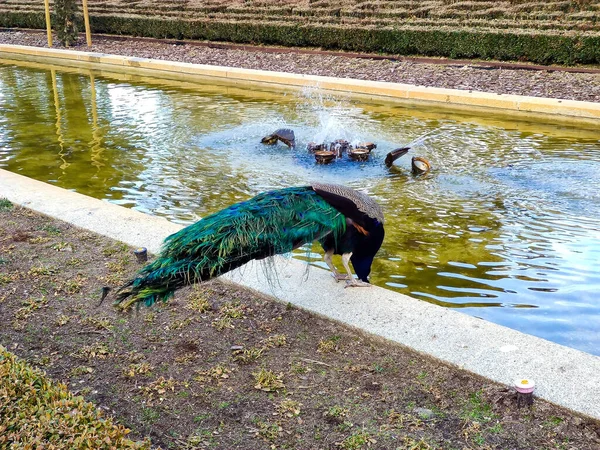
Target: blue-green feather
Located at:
point(271, 223)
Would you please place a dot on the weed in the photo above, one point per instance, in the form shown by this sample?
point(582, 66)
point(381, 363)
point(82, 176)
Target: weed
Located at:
point(276, 340)
point(249, 355)
point(100, 323)
point(198, 303)
point(289, 408)
point(477, 409)
point(357, 440)
point(150, 317)
point(74, 285)
point(150, 415)
point(62, 320)
point(51, 229)
point(268, 381)
point(269, 431)
point(62, 247)
point(30, 305)
point(5, 205)
point(327, 345)
point(199, 418)
point(222, 323)
point(6, 278)
point(42, 271)
point(232, 311)
point(98, 350)
point(111, 250)
point(217, 373)
point(158, 388)
point(80, 370)
point(134, 370)
point(337, 412)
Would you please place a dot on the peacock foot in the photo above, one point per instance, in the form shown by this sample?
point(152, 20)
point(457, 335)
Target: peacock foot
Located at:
point(341, 276)
point(356, 283)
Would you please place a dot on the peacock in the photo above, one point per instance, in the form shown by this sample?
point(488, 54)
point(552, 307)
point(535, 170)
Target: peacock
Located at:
point(345, 221)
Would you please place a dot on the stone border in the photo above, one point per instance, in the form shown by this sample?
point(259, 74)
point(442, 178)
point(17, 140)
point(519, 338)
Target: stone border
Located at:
point(570, 110)
point(564, 376)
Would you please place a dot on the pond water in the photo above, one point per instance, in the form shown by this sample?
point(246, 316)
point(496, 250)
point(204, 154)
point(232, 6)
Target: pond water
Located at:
point(506, 226)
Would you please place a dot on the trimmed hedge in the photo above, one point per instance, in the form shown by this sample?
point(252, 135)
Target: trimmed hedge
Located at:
point(38, 413)
point(533, 46)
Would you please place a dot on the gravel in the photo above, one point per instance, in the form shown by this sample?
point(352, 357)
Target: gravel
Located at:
point(537, 83)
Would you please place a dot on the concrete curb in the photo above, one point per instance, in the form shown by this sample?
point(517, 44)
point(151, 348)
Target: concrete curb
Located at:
point(563, 109)
point(563, 376)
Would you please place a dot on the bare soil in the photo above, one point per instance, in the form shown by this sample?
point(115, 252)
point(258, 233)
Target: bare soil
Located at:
point(459, 75)
point(223, 367)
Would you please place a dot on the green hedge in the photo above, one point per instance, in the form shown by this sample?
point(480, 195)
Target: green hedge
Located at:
point(533, 46)
point(36, 412)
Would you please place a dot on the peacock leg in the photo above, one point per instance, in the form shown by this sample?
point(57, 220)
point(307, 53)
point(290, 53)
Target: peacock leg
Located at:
point(328, 260)
point(352, 282)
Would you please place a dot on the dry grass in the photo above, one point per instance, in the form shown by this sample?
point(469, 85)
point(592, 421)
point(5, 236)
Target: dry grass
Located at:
point(275, 377)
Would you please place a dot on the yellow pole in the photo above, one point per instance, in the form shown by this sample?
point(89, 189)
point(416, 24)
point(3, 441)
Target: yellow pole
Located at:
point(86, 19)
point(61, 141)
point(48, 25)
point(96, 140)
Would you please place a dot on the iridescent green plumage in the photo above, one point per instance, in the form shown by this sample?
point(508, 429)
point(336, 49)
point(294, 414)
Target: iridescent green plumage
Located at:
point(271, 223)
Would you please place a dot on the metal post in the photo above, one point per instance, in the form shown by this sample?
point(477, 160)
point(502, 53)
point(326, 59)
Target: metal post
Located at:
point(48, 24)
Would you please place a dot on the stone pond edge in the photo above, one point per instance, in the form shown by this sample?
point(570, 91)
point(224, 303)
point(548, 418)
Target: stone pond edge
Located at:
point(570, 110)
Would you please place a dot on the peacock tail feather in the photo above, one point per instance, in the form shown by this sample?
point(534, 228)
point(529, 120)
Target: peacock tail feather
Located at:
point(271, 223)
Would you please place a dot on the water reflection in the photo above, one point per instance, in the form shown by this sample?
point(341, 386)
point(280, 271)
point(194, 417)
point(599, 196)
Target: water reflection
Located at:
point(506, 226)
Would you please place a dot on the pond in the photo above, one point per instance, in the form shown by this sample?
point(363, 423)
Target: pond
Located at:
point(506, 226)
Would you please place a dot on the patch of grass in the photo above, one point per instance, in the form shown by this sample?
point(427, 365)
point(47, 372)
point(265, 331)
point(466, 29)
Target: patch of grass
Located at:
point(158, 389)
point(73, 285)
point(328, 345)
point(358, 440)
point(92, 351)
point(42, 271)
point(268, 381)
point(289, 408)
point(80, 370)
point(99, 323)
point(6, 278)
point(477, 409)
point(249, 355)
point(217, 373)
point(223, 323)
point(198, 302)
point(37, 412)
point(62, 247)
point(275, 340)
point(232, 311)
point(336, 414)
point(268, 430)
point(30, 305)
point(115, 249)
point(150, 415)
point(134, 370)
point(5, 205)
point(51, 229)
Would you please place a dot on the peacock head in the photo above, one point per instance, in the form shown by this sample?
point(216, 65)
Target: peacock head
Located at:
point(363, 255)
point(362, 266)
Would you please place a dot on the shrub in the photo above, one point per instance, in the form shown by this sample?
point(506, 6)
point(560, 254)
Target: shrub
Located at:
point(65, 21)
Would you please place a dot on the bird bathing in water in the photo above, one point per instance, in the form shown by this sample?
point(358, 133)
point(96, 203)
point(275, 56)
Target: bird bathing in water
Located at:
point(419, 165)
point(284, 135)
point(346, 222)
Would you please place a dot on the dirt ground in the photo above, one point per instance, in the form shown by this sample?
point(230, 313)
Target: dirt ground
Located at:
point(454, 75)
point(222, 367)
